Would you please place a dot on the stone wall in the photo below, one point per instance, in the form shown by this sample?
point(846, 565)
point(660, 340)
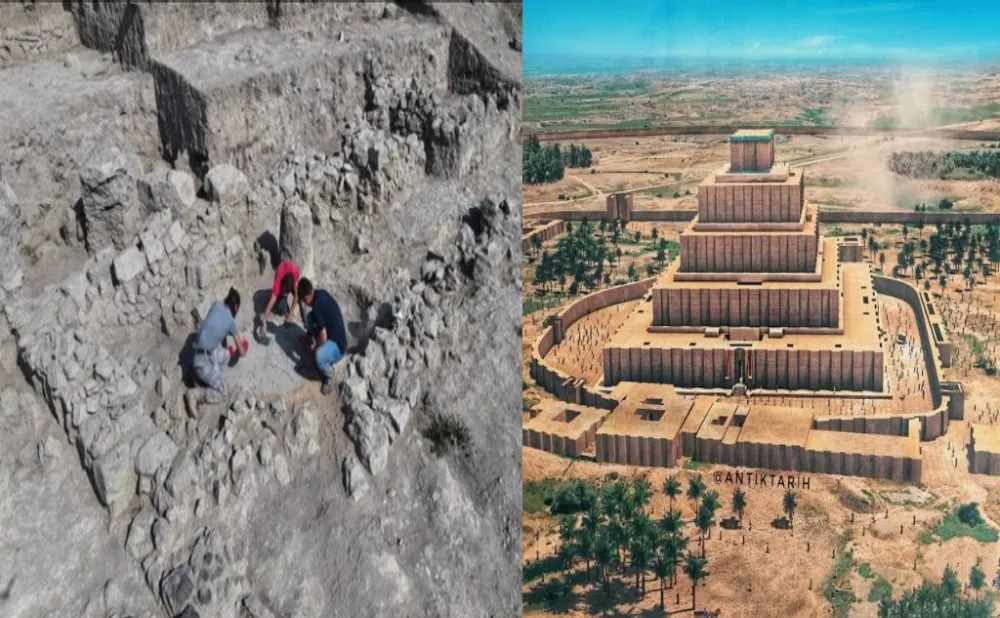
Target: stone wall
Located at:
point(34, 30)
point(750, 202)
point(747, 306)
point(743, 252)
point(842, 370)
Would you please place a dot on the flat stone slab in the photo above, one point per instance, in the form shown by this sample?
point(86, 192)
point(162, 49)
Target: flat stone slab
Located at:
point(276, 368)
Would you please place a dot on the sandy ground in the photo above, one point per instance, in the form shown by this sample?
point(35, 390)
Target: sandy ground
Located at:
point(840, 171)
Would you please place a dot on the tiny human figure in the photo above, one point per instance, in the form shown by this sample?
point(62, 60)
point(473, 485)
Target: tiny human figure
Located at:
point(210, 351)
point(325, 325)
point(286, 281)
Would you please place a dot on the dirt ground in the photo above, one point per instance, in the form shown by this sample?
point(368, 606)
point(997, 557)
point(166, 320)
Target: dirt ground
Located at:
point(842, 172)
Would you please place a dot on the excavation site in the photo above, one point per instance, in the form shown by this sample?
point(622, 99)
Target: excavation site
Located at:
point(356, 162)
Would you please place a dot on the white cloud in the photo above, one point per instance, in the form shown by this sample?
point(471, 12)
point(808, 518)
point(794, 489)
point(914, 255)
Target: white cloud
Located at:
point(819, 40)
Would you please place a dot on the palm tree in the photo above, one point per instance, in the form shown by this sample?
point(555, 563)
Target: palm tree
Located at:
point(663, 569)
point(696, 487)
point(996, 580)
point(672, 523)
point(590, 524)
point(672, 488)
point(694, 568)
point(704, 520)
point(604, 556)
point(674, 545)
point(642, 493)
point(977, 579)
point(788, 506)
point(739, 503)
point(567, 534)
point(641, 553)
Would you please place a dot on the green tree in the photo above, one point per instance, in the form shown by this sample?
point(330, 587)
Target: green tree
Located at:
point(567, 530)
point(642, 493)
point(788, 506)
point(672, 489)
point(632, 274)
point(663, 570)
point(695, 567)
point(739, 503)
point(977, 579)
point(696, 489)
point(604, 557)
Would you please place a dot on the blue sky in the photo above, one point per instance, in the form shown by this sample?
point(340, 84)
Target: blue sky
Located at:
point(916, 31)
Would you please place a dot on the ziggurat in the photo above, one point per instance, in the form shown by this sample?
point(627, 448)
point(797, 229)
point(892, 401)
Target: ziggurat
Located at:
point(757, 305)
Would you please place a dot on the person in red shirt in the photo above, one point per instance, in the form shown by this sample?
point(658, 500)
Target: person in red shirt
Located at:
point(286, 281)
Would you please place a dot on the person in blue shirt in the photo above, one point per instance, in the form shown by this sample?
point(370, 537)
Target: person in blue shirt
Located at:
point(326, 327)
point(210, 351)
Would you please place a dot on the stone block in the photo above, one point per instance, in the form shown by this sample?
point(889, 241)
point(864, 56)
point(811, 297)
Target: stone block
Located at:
point(109, 198)
point(129, 264)
point(226, 185)
point(166, 189)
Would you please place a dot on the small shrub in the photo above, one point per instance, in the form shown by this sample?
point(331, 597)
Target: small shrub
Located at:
point(677, 194)
point(865, 570)
point(447, 433)
point(969, 514)
point(572, 497)
point(881, 589)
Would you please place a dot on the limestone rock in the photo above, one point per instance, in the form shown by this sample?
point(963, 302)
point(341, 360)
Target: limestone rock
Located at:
point(176, 589)
point(11, 243)
point(355, 482)
point(371, 437)
point(166, 189)
point(129, 264)
point(113, 597)
point(157, 451)
point(226, 185)
point(112, 474)
point(139, 542)
point(296, 235)
point(109, 196)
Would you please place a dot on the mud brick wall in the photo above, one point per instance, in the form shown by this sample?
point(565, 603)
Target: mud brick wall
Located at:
point(742, 252)
point(980, 462)
point(637, 450)
point(751, 156)
point(932, 423)
point(903, 469)
point(555, 443)
point(596, 301)
point(790, 458)
point(850, 251)
point(747, 306)
point(931, 352)
point(750, 202)
point(844, 370)
point(619, 206)
point(547, 232)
